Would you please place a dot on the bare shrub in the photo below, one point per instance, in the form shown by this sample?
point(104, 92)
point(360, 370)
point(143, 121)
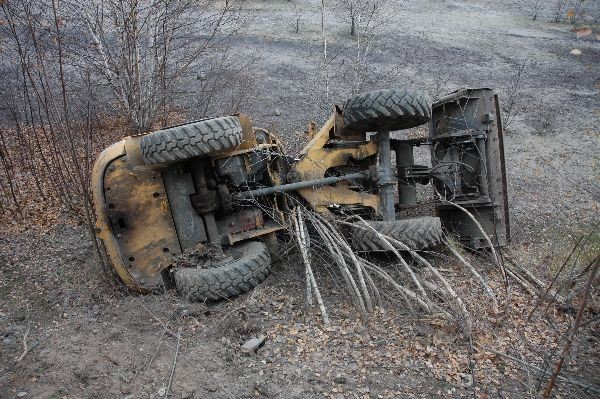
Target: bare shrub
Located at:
point(296, 19)
point(577, 11)
point(559, 10)
point(226, 84)
point(533, 7)
point(143, 49)
point(544, 120)
point(366, 18)
point(63, 65)
point(512, 104)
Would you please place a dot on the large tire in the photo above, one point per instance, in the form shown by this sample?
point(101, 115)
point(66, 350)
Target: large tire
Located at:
point(250, 266)
point(390, 109)
point(190, 140)
point(417, 233)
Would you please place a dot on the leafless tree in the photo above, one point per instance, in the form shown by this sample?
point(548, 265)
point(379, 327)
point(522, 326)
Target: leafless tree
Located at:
point(533, 7)
point(367, 18)
point(296, 19)
point(52, 135)
point(143, 48)
point(357, 12)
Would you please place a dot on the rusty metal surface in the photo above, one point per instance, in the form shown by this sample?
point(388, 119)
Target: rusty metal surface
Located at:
point(103, 229)
point(467, 132)
point(133, 218)
point(189, 225)
point(244, 219)
point(316, 159)
point(268, 228)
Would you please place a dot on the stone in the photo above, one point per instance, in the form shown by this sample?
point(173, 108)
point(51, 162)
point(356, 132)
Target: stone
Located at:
point(253, 344)
point(268, 389)
point(340, 379)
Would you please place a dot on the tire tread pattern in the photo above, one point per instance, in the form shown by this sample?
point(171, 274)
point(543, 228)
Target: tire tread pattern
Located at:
point(190, 140)
point(232, 279)
point(417, 233)
point(392, 109)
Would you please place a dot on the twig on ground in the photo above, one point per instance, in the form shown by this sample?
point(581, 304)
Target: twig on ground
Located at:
point(573, 332)
point(157, 351)
point(338, 257)
point(25, 336)
point(174, 363)
point(164, 326)
point(487, 238)
point(522, 282)
point(583, 384)
point(478, 276)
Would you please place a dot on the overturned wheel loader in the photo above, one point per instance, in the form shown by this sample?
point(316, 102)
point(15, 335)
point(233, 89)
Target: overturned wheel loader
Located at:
point(224, 184)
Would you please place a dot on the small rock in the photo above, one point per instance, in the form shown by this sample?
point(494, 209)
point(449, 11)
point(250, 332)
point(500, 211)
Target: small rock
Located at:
point(21, 394)
point(340, 379)
point(210, 387)
point(268, 389)
point(253, 344)
point(162, 391)
point(576, 51)
point(187, 394)
point(19, 315)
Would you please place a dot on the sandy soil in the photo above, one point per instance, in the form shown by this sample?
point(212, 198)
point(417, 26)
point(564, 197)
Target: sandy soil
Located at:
point(85, 338)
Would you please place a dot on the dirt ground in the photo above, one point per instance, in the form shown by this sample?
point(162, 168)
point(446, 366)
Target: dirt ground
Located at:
point(67, 331)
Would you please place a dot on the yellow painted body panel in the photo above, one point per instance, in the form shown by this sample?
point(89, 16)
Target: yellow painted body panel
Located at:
point(314, 162)
point(133, 217)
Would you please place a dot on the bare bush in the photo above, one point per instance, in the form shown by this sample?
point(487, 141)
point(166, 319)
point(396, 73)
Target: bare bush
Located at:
point(577, 11)
point(143, 48)
point(226, 84)
point(559, 10)
point(353, 9)
point(544, 120)
point(48, 152)
point(296, 19)
point(366, 19)
point(512, 104)
point(533, 7)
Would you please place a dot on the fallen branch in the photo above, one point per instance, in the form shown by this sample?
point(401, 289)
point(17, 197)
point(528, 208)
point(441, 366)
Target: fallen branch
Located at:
point(25, 336)
point(174, 364)
point(299, 230)
point(388, 245)
point(485, 236)
point(339, 259)
point(573, 332)
point(582, 384)
point(164, 326)
point(405, 291)
point(342, 242)
point(488, 291)
point(450, 291)
point(522, 282)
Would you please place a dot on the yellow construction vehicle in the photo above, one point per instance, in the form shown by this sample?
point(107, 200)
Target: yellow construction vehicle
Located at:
point(223, 182)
